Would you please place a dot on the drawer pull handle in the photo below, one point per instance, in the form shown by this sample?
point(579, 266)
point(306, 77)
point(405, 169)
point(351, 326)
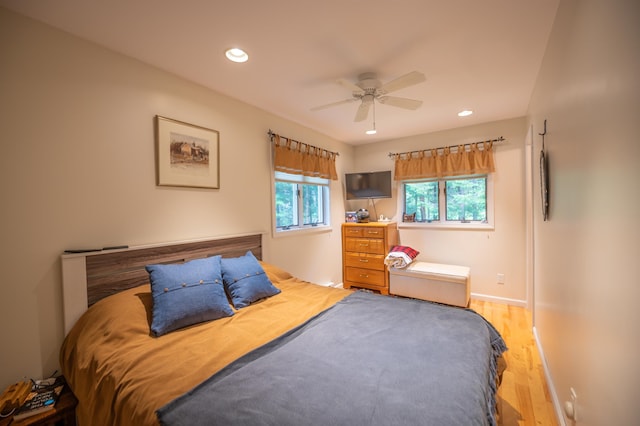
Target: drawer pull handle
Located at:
point(364, 276)
point(364, 260)
point(364, 245)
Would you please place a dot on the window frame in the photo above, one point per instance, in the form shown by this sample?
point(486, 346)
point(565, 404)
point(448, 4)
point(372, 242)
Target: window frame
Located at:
point(442, 223)
point(300, 181)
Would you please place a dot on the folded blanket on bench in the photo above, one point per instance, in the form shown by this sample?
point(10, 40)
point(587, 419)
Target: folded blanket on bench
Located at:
point(400, 256)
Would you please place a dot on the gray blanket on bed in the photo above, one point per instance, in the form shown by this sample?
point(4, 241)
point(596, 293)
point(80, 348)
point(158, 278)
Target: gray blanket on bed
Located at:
point(368, 360)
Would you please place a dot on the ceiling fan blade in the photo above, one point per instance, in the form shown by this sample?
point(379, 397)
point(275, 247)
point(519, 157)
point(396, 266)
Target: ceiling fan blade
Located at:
point(351, 86)
point(332, 104)
point(400, 102)
point(363, 111)
point(401, 82)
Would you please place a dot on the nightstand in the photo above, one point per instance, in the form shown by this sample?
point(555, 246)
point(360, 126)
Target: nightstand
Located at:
point(63, 414)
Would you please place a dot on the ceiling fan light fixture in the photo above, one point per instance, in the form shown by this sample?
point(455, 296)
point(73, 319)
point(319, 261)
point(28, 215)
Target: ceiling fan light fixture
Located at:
point(372, 130)
point(465, 113)
point(236, 55)
point(369, 91)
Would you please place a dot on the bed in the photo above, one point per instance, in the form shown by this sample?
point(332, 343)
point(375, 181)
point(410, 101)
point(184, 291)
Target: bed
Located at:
point(304, 355)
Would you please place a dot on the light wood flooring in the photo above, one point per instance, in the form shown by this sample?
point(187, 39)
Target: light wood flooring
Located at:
point(523, 397)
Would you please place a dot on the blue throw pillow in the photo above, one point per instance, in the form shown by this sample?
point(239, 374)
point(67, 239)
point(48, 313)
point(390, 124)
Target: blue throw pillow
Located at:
point(245, 280)
point(186, 294)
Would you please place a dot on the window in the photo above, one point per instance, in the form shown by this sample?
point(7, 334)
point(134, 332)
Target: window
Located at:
point(421, 198)
point(300, 202)
point(465, 201)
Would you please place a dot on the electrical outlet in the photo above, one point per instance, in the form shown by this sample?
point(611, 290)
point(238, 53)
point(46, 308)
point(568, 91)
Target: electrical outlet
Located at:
point(500, 279)
point(571, 407)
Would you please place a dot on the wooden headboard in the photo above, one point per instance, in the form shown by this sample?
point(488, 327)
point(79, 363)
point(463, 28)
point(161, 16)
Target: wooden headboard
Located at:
point(89, 277)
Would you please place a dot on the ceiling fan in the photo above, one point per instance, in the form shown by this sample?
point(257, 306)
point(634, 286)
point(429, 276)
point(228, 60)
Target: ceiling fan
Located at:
point(369, 89)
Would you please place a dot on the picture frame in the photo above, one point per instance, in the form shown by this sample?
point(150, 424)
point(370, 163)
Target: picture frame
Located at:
point(187, 155)
point(350, 217)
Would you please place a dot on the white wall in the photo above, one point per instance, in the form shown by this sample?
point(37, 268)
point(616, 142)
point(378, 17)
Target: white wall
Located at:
point(586, 269)
point(486, 252)
point(77, 170)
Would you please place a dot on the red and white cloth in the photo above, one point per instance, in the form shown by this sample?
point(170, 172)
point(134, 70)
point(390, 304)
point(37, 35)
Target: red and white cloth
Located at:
point(400, 256)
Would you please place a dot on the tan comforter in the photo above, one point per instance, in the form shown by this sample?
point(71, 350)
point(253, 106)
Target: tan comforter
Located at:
point(121, 374)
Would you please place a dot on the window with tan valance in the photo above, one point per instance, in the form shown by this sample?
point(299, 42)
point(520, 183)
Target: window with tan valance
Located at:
point(468, 159)
point(299, 158)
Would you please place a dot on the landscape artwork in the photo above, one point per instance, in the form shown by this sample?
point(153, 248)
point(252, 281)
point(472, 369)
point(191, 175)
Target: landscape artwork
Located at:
point(187, 154)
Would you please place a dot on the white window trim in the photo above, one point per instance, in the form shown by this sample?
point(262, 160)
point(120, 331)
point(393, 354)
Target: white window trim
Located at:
point(303, 229)
point(444, 224)
point(281, 233)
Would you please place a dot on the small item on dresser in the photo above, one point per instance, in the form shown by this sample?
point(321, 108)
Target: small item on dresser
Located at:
point(350, 217)
point(363, 215)
point(40, 399)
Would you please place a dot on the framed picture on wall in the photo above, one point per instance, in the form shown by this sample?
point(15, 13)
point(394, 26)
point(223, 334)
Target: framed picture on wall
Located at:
point(187, 154)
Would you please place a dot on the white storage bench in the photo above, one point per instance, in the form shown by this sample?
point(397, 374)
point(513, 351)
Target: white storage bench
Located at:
point(435, 282)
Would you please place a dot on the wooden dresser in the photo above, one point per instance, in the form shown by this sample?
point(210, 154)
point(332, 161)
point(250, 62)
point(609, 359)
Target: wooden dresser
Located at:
point(364, 247)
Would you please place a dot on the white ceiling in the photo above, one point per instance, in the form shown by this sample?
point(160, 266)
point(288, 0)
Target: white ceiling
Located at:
point(478, 55)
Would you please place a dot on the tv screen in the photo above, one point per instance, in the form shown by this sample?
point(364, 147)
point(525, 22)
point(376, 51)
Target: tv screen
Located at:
point(368, 185)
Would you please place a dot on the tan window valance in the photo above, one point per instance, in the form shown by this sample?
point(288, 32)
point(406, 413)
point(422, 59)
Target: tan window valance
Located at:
point(299, 158)
point(469, 159)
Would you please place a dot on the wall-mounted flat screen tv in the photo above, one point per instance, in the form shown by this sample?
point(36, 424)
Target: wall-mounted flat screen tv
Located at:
point(368, 185)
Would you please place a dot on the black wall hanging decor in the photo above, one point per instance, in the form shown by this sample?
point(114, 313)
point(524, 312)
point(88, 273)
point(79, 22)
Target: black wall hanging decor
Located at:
point(544, 177)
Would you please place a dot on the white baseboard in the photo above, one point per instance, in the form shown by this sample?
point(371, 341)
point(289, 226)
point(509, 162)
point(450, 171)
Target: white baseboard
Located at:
point(496, 299)
point(547, 375)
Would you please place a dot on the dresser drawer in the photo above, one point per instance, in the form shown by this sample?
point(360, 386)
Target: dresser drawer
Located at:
point(365, 245)
point(364, 260)
point(373, 232)
point(365, 276)
point(353, 232)
point(366, 232)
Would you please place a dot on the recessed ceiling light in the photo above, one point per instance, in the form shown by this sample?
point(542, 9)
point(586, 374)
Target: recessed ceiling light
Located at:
point(236, 55)
point(465, 113)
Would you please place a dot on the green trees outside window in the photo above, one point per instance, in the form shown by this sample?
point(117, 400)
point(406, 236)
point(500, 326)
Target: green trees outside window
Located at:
point(312, 205)
point(299, 204)
point(463, 199)
point(286, 204)
point(466, 199)
point(422, 199)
